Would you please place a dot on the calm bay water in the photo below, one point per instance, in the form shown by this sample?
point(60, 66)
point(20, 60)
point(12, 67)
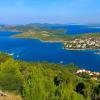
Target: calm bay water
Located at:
point(35, 50)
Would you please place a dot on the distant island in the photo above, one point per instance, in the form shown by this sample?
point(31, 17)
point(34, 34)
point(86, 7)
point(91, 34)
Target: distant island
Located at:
point(47, 34)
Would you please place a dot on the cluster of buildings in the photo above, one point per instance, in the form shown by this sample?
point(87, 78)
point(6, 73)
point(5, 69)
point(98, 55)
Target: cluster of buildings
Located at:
point(83, 43)
point(93, 75)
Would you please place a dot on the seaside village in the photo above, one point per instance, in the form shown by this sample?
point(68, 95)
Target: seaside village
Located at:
point(84, 43)
point(88, 74)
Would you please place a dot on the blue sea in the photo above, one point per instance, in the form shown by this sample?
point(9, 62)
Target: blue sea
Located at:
point(33, 50)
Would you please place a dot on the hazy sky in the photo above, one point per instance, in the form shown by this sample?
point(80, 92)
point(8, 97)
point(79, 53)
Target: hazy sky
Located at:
point(49, 11)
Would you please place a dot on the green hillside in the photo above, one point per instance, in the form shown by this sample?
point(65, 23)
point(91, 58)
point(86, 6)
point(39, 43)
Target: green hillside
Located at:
point(45, 81)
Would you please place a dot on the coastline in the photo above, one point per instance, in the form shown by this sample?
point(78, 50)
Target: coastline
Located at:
point(81, 49)
point(41, 40)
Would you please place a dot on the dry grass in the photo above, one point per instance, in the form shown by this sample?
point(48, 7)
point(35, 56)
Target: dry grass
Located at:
point(10, 96)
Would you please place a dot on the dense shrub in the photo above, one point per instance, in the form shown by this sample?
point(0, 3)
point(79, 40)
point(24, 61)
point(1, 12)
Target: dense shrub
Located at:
point(45, 81)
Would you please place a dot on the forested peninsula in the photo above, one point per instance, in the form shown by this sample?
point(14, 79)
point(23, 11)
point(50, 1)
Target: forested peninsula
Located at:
point(46, 33)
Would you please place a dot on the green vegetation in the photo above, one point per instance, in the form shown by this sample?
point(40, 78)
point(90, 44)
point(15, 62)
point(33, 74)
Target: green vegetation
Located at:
point(89, 35)
point(45, 81)
point(43, 34)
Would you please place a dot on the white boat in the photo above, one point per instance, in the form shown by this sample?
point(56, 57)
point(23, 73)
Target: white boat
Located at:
point(61, 62)
point(17, 56)
point(98, 53)
point(11, 54)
